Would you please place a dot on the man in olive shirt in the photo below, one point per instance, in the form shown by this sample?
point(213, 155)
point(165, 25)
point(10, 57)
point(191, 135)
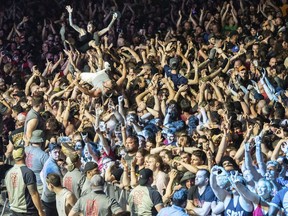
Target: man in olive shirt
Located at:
point(96, 202)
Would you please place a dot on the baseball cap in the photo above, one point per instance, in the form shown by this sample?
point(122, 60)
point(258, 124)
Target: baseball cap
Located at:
point(18, 153)
point(37, 136)
point(90, 166)
point(21, 117)
point(97, 183)
point(144, 176)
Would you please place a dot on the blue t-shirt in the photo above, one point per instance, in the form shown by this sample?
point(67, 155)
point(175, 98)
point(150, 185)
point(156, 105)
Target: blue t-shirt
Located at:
point(177, 78)
point(281, 199)
point(50, 166)
point(198, 200)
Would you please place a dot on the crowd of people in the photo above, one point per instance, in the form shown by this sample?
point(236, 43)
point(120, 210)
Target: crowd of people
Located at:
point(181, 103)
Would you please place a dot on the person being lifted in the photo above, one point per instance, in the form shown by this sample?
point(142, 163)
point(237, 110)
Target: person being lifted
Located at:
point(90, 35)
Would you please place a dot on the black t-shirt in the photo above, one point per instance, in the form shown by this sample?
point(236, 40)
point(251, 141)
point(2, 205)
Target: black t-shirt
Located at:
point(16, 136)
point(3, 109)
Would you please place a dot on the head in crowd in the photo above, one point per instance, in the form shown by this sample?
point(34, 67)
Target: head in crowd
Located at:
point(180, 197)
point(18, 154)
point(273, 170)
point(202, 178)
point(132, 144)
point(198, 157)
point(188, 180)
point(145, 177)
point(53, 181)
point(229, 164)
point(90, 169)
point(155, 162)
point(54, 151)
point(264, 188)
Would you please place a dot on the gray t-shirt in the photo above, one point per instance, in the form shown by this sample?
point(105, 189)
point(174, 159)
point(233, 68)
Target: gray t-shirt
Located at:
point(86, 187)
point(35, 160)
point(97, 203)
point(61, 200)
point(17, 179)
point(143, 199)
point(71, 181)
point(32, 114)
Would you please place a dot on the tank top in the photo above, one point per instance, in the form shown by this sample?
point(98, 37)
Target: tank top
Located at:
point(32, 114)
point(83, 44)
point(237, 210)
point(61, 200)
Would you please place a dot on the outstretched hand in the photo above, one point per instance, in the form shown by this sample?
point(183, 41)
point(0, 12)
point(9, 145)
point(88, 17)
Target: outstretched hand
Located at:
point(115, 15)
point(69, 9)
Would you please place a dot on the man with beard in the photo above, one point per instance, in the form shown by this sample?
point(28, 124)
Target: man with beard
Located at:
point(201, 195)
point(34, 121)
point(131, 146)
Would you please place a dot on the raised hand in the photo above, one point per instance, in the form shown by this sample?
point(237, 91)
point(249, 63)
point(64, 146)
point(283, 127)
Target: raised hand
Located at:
point(115, 15)
point(173, 174)
point(124, 163)
point(284, 147)
point(120, 99)
point(25, 19)
point(183, 88)
point(69, 9)
point(99, 111)
point(158, 137)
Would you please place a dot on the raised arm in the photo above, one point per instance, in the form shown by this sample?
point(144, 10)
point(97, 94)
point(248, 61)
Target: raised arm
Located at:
point(246, 193)
point(222, 147)
point(259, 157)
point(196, 76)
point(103, 31)
point(124, 73)
point(248, 162)
point(219, 192)
point(132, 52)
point(75, 27)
